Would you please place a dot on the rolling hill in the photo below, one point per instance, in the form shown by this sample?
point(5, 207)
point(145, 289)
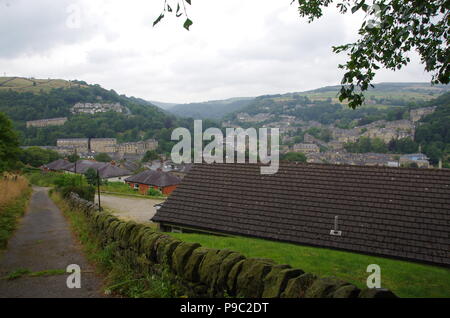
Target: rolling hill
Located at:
point(384, 95)
point(212, 109)
point(22, 84)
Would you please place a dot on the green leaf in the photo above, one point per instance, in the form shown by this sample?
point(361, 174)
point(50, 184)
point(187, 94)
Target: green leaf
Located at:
point(187, 24)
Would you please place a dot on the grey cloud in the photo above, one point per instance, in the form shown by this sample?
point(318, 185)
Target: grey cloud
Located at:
point(34, 27)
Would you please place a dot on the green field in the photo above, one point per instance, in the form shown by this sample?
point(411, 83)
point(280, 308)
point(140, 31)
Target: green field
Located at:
point(405, 279)
point(21, 84)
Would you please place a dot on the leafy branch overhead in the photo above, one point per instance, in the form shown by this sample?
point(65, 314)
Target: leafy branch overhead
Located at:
point(391, 29)
point(180, 11)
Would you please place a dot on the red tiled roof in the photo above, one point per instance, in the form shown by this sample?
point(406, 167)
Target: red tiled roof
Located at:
point(393, 212)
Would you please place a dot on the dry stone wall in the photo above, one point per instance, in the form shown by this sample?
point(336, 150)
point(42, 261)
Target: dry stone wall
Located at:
point(206, 272)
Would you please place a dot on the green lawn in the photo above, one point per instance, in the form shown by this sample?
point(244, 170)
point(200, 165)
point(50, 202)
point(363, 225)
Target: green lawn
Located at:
point(405, 279)
point(121, 188)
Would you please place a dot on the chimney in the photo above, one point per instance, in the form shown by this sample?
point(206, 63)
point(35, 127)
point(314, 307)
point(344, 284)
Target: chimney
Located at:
point(440, 164)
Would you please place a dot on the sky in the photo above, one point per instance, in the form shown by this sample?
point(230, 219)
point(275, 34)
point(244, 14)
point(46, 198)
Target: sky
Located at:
point(235, 48)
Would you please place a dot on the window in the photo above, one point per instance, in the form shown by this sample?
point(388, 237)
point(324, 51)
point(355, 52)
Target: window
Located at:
point(136, 186)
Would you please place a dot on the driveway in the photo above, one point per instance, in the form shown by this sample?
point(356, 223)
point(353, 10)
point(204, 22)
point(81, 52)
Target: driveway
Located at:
point(129, 208)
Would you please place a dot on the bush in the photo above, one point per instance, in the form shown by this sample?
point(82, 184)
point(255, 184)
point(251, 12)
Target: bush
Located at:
point(154, 192)
point(42, 179)
point(66, 179)
point(86, 192)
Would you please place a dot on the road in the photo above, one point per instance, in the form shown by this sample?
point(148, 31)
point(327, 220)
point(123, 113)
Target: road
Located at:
point(44, 242)
point(130, 208)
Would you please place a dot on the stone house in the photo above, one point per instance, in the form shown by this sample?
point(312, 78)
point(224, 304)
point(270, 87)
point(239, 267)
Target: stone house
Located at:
point(76, 144)
point(417, 114)
point(305, 148)
point(103, 144)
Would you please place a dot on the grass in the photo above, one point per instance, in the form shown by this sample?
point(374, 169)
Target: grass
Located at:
point(120, 188)
point(42, 179)
point(22, 84)
point(406, 279)
point(120, 278)
point(14, 196)
point(23, 272)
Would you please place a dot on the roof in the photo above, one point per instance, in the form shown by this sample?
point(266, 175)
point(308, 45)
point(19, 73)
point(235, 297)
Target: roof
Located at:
point(105, 169)
point(156, 178)
point(396, 212)
point(59, 164)
point(415, 156)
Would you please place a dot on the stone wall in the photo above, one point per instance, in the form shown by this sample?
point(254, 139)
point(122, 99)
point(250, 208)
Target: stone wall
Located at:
point(206, 272)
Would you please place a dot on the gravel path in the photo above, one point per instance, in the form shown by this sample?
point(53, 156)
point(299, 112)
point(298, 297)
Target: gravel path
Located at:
point(44, 241)
point(129, 208)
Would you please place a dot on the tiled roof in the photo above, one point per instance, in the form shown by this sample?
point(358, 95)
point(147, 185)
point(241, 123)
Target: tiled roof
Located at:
point(156, 178)
point(395, 212)
point(59, 164)
point(105, 169)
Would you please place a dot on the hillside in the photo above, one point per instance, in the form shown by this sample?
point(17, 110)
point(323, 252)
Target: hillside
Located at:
point(22, 103)
point(385, 101)
point(384, 95)
point(22, 84)
point(211, 109)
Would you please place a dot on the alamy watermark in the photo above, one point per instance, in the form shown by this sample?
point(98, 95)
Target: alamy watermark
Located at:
point(374, 279)
point(74, 279)
point(262, 145)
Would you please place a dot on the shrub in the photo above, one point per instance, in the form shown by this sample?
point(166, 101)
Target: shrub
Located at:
point(154, 192)
point(86, 192)
point(66, 179)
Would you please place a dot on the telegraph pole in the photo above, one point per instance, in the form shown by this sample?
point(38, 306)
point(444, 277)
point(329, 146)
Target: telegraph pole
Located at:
point(98, 188)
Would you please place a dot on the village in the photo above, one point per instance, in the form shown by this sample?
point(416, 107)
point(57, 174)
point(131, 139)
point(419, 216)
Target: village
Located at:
point(216, 157)
point(332, 150)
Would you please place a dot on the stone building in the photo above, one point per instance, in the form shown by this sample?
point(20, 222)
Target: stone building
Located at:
point(139, 147)
point(103, 144)
point(416, 114)
point(306, 148)
point(79, 145)
point(93, 108)
point(419, 159)
point(47, 122)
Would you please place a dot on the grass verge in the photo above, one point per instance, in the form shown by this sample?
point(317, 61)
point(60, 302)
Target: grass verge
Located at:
point(10, 213)
point(121, 279)
point(405, 279)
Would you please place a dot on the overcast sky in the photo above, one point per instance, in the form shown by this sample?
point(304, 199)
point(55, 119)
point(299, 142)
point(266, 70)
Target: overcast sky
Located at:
point(235, 47)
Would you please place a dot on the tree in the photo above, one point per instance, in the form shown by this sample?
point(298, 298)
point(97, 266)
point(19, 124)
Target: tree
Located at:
point(73, 157)
point(91, 176)
point(150, 155)
point(391, 30)
point(294, 157)
point(9, 145)
point(37, 156)
point(102, 157)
